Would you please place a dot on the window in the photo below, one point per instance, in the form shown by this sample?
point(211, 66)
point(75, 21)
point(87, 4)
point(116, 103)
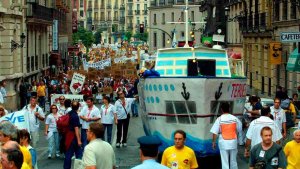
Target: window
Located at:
point(36, 62)
point(145, 21)
point(215, 109)
point(172, 17)
point(182, 17)
point(154, 40)
point(182, 34)
point(193, 16)
point(138, 20)
point(81, 13)
point(183, 112)
point(32, 63)
point(137, 6)
point(43, 60)
point(284, 10)
point(28, 64)
point(293, 11)
point(276, 10)
point(163, 40)
point(81, 23)
point(163, 19)
point(145, 6)
point(154, 19)
point(81, 3)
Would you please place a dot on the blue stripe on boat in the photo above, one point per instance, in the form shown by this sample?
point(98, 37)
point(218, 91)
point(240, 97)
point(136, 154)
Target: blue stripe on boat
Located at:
point(181, 62)
point(165, 63)
point(221, 63)
point(212, 55)
point(169, 72)
point(178, 71)
point(219, 72)
point(161, 71)
point(226, 72)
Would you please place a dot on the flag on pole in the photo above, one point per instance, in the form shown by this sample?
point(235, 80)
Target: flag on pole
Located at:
point(174, 41)
point(18, 118)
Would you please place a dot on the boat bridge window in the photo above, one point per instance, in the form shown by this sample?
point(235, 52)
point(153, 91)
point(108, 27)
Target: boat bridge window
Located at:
point(183, 112)
point(201, 67)
point(215, 109)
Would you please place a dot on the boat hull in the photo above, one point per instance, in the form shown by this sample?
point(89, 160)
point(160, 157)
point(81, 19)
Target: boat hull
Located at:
point(188, 103)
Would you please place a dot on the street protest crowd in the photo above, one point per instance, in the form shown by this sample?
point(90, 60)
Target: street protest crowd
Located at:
point(76, 128)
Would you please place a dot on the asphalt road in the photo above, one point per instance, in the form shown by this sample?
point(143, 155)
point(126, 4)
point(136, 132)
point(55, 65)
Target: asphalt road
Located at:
point(125, 157)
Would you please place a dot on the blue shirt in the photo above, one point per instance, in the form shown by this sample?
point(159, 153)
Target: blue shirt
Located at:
point(74, 120)
point(150, 164)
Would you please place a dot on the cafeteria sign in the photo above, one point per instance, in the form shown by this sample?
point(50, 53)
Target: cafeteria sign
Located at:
point(290, 37)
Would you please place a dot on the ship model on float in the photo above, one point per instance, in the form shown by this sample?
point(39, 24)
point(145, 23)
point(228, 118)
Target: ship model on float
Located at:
point(193, 82)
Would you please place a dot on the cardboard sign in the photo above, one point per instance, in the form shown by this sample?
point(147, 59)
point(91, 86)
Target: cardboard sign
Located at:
point(107, 90)
point(77, 83)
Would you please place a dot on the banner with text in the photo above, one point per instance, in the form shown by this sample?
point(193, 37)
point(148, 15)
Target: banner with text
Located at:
point(18, 118)
point(77, 83)
point(97, 65)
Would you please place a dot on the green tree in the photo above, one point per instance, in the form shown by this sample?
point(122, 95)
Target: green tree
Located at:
point(97, 36)
point(141, 36)
point(128, 36)
point(85, 36)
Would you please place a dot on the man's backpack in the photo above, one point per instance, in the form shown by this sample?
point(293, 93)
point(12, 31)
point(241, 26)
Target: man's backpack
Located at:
point(285, 104)
point(63, 123)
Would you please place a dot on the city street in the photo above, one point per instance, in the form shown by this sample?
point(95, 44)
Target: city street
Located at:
point(125, 157)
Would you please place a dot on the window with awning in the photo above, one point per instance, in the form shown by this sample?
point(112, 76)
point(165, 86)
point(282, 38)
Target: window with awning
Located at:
point(294, 61)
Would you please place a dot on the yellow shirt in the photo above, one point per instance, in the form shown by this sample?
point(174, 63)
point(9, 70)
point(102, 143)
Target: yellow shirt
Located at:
point(25, 166)
point(292, 150)
point(181, 159)
point(41, 90)
point(26, 156)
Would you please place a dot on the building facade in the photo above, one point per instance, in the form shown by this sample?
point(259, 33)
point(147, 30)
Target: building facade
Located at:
point(257, 25)
point(161, 32)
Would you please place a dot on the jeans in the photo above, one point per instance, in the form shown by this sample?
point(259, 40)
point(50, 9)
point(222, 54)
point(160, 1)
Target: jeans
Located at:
point(34, 138)
point(84, 140)
point(108, 128)
point(123, 126)
point(53, 141)
point(74, 148)
point(134, 109)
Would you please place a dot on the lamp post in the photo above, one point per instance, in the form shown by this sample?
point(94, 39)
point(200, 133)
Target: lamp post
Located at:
point(15, 45)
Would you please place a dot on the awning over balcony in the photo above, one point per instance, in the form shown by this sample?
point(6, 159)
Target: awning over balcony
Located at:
point(294, 61)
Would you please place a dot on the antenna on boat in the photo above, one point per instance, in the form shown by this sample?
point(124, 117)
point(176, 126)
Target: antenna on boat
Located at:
point(186, 21)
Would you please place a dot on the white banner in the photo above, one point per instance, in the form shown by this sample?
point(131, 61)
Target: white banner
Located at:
point(72, 97)
point(18, 118)
point(98, 65)
point(77, 83)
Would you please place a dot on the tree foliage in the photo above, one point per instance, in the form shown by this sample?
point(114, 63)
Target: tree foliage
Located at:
point(141, 36)
point(128, 36)
point(85, 36)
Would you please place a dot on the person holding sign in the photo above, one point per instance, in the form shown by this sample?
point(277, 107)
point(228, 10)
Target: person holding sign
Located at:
point(88, 114)
point(35, 115)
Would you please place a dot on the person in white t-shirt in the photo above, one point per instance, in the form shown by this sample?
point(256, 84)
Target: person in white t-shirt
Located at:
point(279, 116)
point(227, 127)
point(51, 131)
point(108, 117)
point(87, 115)
point(35, 114)
point(253, 134)
point(61, 105)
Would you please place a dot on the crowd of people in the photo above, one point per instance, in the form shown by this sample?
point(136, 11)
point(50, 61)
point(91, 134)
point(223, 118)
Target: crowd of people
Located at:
point(267, 131)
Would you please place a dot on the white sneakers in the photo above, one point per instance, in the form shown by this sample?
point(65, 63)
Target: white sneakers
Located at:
point(57, 155)
point(124, 145)
point(118, 145)
point(49, 156)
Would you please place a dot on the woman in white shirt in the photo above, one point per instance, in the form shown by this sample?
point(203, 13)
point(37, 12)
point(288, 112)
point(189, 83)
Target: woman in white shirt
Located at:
point(51, 131)
point(108, 117)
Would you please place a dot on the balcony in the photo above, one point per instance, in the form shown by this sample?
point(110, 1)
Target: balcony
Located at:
point(90, 9)
point(96, 7)
point(180, 1)
point(108, 19)
point(39, 14)
point(116, 6)
point(171, 2)
point(130, 1)
point(129, 27)
point(145, 12)
point(116, 18)
point(122, 7)
point(108, 6)
point(102, 19)
point(153, 4)
point(137, 12)
point(162, 2)
point(102, 7)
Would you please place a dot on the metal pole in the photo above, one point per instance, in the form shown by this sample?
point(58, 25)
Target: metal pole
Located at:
point(186, 24)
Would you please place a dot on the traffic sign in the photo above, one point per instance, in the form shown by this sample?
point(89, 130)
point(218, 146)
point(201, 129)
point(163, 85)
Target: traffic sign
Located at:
point(290, 37)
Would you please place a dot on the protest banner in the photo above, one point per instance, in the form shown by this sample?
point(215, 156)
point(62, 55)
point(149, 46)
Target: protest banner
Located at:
point(72, 97)
point(107, 90)
point(18, 118)
point(77, 83)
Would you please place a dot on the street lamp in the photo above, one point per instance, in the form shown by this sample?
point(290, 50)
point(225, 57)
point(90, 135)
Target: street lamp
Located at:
point(15, 45)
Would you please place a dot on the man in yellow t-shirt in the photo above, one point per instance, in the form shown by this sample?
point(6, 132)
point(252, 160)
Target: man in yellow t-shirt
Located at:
point(292, 150)
point(41, 93)
point(179, 156)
